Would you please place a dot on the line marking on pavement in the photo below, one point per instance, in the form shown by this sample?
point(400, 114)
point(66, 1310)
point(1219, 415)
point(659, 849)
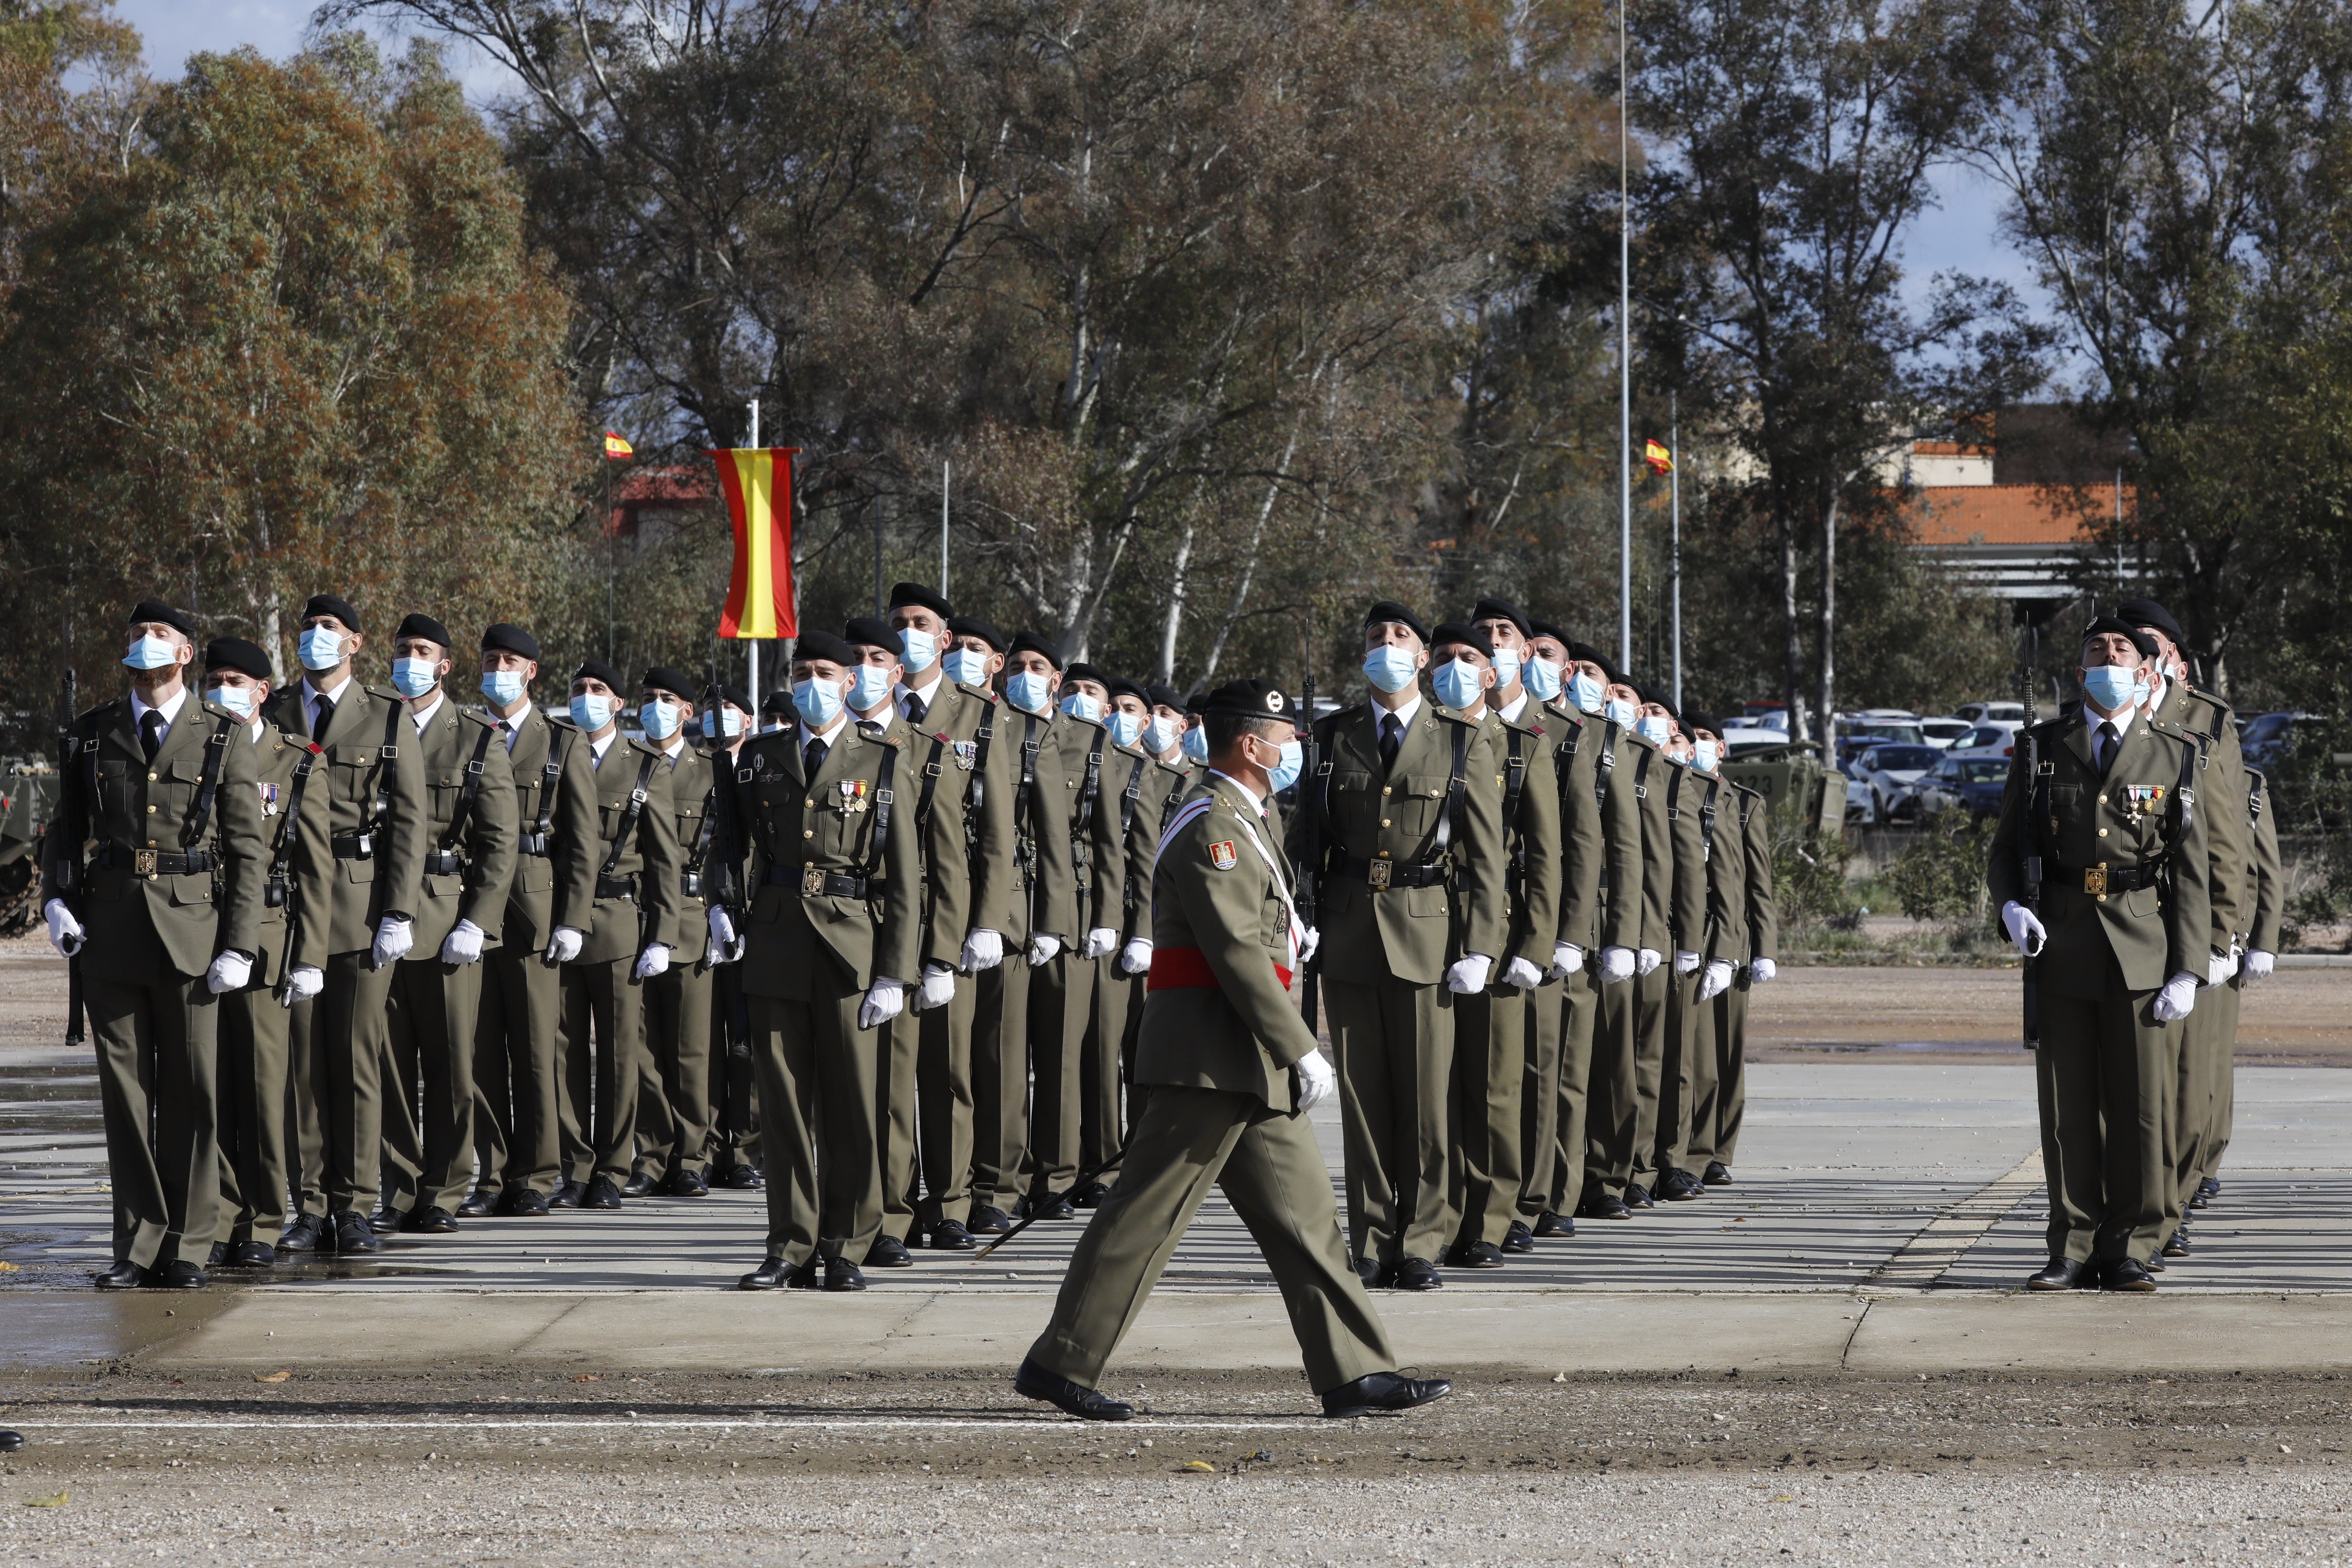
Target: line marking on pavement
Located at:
point(773, 1424)
point(1922, 1260)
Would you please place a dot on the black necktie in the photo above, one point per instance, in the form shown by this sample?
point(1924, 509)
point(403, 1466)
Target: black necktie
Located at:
point(915, 709)
point(325, 716)
point(2110, 742)
point(1392, 739)
point(813, 758)
point(151, 732)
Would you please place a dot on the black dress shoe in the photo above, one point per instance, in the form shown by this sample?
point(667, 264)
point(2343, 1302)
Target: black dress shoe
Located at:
point(567, 1195)
point(121, 1277)
point(1475, 1255)
point(308, 1233)
point(741, 1178)
point(1518, 1239)
point(773, 1274)
point(840, 1274)
point(1681, 1187)
point(686, 1183)
point(352, 1232)
point(179, 1274)
point(2177, 1243)
point(528, 1202)
point(2123, 1274)
point(479, 1203)
point(949, 1236)
point(1549, 1224)
point(1052, 1206)
point(250, 1255)
point(1033, 1381)
point(1090, 1195)
point(638, 1186)
point(988, 1221)
point(1416, 1274)
point(888, 1252)
point(1383, 1390)
point(433, 1221)
point(385, 1219)
point(1367, 1269)
point(601, 1195)
point(2207, 1191)
point(1717, 1174)
point(1637, 1197)
point(1601, 1205)
point(2058, 1273)
point(217, 1255)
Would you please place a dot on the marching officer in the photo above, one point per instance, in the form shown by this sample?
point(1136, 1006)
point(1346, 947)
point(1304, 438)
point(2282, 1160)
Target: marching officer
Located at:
point(359, 875)
point(1629, 1044)
point(2104, 826)
point(833, 932)
point(727, 721)
point(518, 1065)
point(252, 1079)
point(1409, 818)
point(619, 941)
point(435, 1001)
point(165, 918)
point(1231, 1063)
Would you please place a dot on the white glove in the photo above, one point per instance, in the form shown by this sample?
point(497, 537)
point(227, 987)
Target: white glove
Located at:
point(1616, 965)
point(1646, 960)
point(1686, 963)
point(1101, 943)
point(1042, 946)
point(1716, 981)
point(1469, 973)
point(1521, 975)
point(653, 960)
point(564, 945)
point(1309, 939)
point(726, 947)
point(230, 971)
point(885, 1002)
point(2177, 999)
point(304, 981)
point(982, 949)
point(2024, 928)
point(2259, 964)
point(1566, 958)
point(2220, 967)
point(65, 931)
point(394, 935)
point(938, 988)
point(1317, 1079)
point(463, 945)
point(1135, 958)
point(1762, 971)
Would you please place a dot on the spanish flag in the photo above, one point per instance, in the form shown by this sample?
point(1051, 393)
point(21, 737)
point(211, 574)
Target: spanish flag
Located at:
point(616, 445)
point(1655, 452)
point(758, 485)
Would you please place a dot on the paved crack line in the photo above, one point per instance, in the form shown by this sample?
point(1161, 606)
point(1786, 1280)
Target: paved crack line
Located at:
point(1923, 1260)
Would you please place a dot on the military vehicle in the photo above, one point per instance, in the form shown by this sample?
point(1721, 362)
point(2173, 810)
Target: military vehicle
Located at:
point(1805, 798)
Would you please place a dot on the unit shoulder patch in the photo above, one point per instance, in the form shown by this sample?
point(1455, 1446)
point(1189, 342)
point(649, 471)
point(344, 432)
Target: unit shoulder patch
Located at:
point(1221, 856)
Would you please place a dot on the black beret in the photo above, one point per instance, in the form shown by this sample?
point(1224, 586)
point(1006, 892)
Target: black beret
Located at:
point(1503, 610)
point(1247, 699)
point(676, 681)
point(1030, 642)
point(328, 605)
point(1455, 632)
point(1160, 696)
point(871, 631)
point(2139, 639)
point(1545, 629)
point(423, 627)
point(509, 639)
point(731, 694)
point(973, 627)
point(156, 610)
point(825, 645)
point(1697, 722)
point(2148, 612)
point(778, 702)
point(236, 653)
point(1585, 653)
point(1083, 671)
point(1121, 685)
point(1390, 610)
point(916, 594)
point(1196, 704)
point(597, 669)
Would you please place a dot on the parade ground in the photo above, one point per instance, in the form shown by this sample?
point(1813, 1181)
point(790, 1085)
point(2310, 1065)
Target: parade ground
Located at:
point(1830, 1361)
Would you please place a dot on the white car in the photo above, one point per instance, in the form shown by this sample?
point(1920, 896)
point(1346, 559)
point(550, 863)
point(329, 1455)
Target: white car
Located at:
point(1860, 806)
point(1892, 775)
point(1990, 741)
point(1944, 731)
point(1991, 712)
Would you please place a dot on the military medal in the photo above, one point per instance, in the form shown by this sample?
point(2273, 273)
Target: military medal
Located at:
point(852, 795)
point(967, 753)
point(269, 799)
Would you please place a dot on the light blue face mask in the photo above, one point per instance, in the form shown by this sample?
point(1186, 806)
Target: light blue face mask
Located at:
point(1159, 735)
point(503, 686)
point(1587, 695)
point(1196, 744)
point(237, 700)
point(1705, 753)
point(722, 720)
point(152, 652)
point(322, 647)
point(592, 712)
point(1389, 669)
point(1506, 666)
point(1285, 771)
point(1653, 729)
point(917, 650)
point(660, 720)
point(1078, 705)
point(1619, 711)
point(818, 702)
point(1457, 682)
point(1028, 691)
point(966, 668)
point(1126, 728)
point(2111, 687)
point(415, 677)
point(868, 685)
point(1542, 677)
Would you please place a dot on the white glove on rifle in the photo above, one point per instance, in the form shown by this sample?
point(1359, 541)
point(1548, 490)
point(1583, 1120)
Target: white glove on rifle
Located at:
point(982, 949)
point(303, 982)
point(938, 988)
point(2259, 964)
point(564, 945)
point(1309, 939)
point(1521, 975)
point(2024, 928)
point(1762, 971)
point(2177, 999)
point(1042, 946)
point(1566, 958)
point(463, 945)
point(1715, 981)
point(395, 936)
point(1469, 972)
point(230, 971)
point(653, 960)
point(1616, 965)
point(1316, 1079)
point(1647, 960)
point(1686, 961)
point(885, 1002)
point(1135, 958)
point(1100, 942)
point(65, 931)
point(726, 947)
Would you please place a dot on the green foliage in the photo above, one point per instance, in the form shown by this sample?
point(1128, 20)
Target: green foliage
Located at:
point(1809, 882)
point(1940, 874)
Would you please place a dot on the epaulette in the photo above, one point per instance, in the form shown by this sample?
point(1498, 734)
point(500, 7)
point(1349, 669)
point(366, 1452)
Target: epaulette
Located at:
point(1442, 712)
point(385, 692)
point(981, 693)
point(559, 721)
point(484, 720)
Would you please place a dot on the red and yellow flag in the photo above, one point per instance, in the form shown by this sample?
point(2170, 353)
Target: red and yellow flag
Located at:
point(617, 445)
point(758, 485)
point(1655, 453)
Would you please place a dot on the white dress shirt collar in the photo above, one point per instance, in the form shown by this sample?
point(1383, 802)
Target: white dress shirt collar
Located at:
point(421, 720)
point(169, 707)
point(1404, 716)
point(1256, 802)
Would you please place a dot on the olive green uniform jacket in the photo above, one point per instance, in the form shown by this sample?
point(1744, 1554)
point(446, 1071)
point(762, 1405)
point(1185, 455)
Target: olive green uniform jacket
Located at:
point(373, 771)
point(639, 908)
point(454, 741)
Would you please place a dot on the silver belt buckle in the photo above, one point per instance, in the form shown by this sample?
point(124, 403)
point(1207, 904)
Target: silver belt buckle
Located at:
point(1377, 876)
point(142, 862)
point(812, 881)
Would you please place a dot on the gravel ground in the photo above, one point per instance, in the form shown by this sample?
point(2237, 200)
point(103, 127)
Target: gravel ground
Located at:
point(865, 1469)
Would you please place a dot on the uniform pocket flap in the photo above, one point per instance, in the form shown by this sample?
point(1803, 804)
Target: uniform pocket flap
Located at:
point(180, 771)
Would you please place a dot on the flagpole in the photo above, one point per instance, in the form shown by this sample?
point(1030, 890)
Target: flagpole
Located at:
point(946, 472)
point(754, 643)
point(1674, 490)
point(1624, 369)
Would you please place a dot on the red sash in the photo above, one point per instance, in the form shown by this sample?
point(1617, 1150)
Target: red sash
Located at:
point(1175, 968)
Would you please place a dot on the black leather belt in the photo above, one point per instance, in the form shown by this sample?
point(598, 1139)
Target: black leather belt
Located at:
point(354, 846)
point(616, 887)
point(814, 882)
point(533, 844)
point(444, 862)
point(155, 862)
point(1391, 873)
point(2100, 879)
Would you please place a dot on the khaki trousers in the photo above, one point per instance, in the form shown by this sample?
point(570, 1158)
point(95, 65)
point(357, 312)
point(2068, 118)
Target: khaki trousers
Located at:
point(1394, 1045)
point(1731, 1068)
point(674, 1096)
point(1612, 1092)
point(2105, 1074)
point(1000, 1082)
point(1705, 1123)
point(734, 1080)
point(158, 1047)
point(1061, 1005)
point(253, 1091)
point(336, 1041)
point(603, 1028)
point(817, 1072)
point(1118, 995)
point(1266, 1163)
point(898, 1116)
point(1580, 1019)
point(435, 1009)
point(1540, 1101)
point(1650, 995)
point(517, 1085)
point(944, 1104)
point(1490, 1065)
point(2224, 1112)
point(1686, 1073)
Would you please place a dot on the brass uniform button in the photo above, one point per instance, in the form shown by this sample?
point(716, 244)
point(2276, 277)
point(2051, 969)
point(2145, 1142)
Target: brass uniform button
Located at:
point(150, 778)
point(2102, 833)
point(1384, 789)
point(1384, 822)
point(808, 832)
point(151, 811)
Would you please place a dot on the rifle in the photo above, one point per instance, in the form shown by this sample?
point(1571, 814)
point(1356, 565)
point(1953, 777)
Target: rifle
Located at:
point(2029, 868)
point(69, 862)
point(1308, 871)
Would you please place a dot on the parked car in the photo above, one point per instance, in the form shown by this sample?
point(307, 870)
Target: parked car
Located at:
point(2266, 738)
point(1973, 785)
point(1944, 732)
point(1992, 739)
point(1858, 732)
point(2005, 713)
point(1861, 805)
point(1892, 775)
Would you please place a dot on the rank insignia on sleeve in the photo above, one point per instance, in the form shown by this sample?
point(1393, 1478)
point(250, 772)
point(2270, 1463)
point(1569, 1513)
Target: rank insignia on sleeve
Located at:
point(1221, 856)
